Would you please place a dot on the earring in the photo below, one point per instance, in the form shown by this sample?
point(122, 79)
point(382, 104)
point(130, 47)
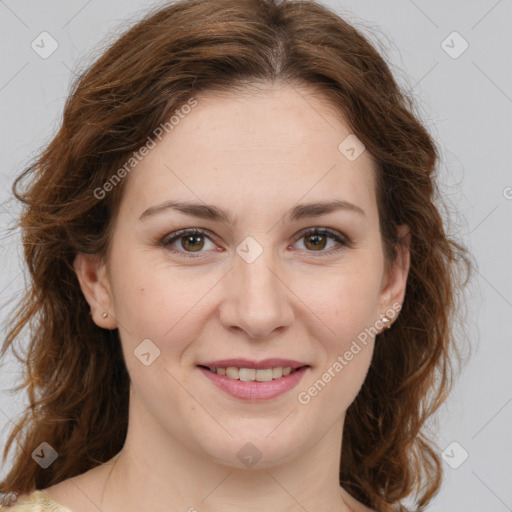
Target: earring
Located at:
point(386, 321)
point(104, 315)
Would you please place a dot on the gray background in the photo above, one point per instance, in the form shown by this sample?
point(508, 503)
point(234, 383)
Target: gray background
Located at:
point(465, 101)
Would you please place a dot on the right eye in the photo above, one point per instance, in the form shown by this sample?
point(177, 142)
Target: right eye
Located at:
point(190, 241)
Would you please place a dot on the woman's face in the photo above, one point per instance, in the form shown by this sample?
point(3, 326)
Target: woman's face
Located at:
point(253, 286)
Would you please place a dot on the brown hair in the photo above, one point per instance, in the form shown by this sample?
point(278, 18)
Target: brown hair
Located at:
point(76, 376)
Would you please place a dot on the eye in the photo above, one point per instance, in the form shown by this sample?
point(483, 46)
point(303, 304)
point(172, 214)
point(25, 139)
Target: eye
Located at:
point(191, 241)
point(317, 238)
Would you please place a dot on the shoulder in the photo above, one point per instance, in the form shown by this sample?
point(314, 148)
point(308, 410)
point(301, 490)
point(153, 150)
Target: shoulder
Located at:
point(35, 501)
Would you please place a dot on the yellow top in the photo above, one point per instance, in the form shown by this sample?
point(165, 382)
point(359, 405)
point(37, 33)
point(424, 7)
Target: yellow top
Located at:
point(36, 501)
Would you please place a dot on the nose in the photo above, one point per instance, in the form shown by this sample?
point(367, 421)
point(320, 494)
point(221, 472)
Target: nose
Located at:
point(257, 299)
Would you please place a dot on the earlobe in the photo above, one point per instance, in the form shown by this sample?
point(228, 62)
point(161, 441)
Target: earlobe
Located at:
point(91, 272)
point(395, 279)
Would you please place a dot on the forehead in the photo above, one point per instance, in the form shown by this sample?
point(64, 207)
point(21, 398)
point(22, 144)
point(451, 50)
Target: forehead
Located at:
point(255, 148)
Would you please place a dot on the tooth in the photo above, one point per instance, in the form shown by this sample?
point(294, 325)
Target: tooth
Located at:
point(251, 374)
point(264, 375)
point(232, 372)
point(277, 373)
point(247, 374)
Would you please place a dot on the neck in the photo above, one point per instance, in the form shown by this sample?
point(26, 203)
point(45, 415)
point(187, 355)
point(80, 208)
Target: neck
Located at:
point(156, 469)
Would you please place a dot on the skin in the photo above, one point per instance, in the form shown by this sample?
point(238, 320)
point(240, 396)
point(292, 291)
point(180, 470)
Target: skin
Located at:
point(256, 155)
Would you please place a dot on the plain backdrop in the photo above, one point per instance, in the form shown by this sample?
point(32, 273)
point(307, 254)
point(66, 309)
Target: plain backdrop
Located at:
point(455, 57)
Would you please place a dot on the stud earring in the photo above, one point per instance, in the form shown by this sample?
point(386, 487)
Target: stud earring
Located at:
point(386, 321)
point(104, 315)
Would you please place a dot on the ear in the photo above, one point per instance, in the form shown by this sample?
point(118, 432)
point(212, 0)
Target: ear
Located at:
point(394, 280)
point(93, 277)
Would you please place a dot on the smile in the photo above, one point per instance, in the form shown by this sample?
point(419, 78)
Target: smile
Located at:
point(251, 384)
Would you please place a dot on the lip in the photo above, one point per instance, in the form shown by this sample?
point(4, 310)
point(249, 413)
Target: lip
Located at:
point(252, 364)
point(254, 391)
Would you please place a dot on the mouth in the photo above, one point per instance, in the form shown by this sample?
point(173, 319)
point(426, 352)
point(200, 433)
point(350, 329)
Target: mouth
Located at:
point(254, 380)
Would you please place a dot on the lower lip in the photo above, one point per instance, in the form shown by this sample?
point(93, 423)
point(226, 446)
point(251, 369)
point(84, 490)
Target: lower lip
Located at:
point(255, 390)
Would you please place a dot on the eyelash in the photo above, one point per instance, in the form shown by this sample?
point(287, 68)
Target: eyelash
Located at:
point(176, 235)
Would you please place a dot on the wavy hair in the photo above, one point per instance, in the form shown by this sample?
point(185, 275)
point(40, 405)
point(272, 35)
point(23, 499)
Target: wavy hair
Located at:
point(74, 371)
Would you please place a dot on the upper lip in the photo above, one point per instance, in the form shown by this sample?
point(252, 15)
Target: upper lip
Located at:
point(250, 363)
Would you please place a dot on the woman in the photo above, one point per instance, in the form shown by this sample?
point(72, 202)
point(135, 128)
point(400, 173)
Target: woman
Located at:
point(242, 292)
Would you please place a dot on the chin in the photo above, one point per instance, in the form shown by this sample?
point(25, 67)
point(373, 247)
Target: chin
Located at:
point(258, 448)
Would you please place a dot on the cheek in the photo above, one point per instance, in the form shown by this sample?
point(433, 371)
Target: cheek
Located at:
point(344, 346)
point(158, 300)
point(344, 298)
point(337, 384)
point(346, 302)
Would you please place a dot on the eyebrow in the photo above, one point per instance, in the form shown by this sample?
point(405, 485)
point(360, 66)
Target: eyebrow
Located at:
point(215, 213)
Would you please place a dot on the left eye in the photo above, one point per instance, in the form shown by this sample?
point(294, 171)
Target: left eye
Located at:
point(192, 240)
